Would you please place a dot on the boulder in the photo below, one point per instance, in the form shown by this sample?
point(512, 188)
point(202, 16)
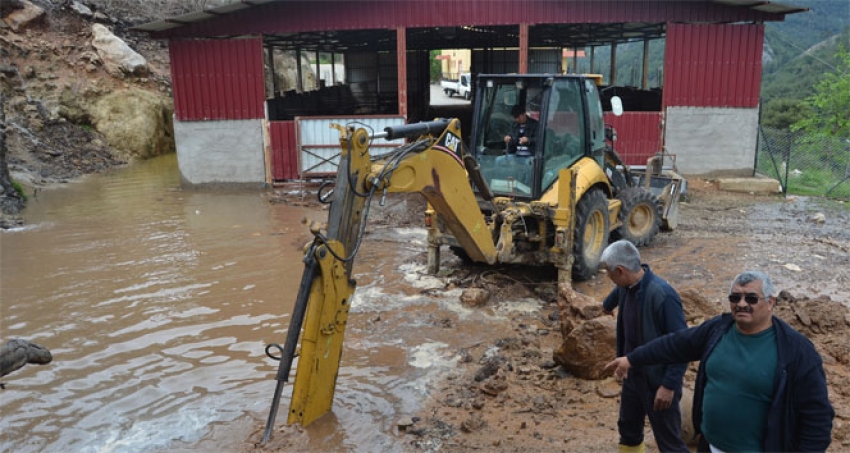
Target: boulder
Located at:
point(81, 9)
point(573, 307)
point(118, 58)
point(588, 348)
point(25, 16)
point(136, 122)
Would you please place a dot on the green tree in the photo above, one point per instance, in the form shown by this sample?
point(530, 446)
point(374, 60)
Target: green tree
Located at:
point(782, 113)
point(436, 66)
point(830, 103)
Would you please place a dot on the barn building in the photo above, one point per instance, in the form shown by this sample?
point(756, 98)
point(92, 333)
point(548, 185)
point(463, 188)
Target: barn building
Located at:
point(233, 123)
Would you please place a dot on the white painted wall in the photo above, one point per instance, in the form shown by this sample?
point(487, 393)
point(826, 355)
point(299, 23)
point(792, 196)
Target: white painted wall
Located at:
point(713, 140)
point(220, 152)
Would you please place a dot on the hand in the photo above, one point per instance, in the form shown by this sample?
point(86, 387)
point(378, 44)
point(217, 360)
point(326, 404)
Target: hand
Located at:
point(608, 312)
point(621, 367)
point(663, 399)
point(523, 140)
point(507, 138)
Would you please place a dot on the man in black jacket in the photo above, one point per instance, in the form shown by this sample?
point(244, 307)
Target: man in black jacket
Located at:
point(760, 384)
point(648, 307)
point(523, 134)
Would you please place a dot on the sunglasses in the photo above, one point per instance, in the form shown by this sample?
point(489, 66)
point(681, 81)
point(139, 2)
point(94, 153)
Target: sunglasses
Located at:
point(750, 298)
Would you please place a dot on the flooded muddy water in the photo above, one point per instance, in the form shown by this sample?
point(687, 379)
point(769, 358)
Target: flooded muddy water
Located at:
point(157, 304)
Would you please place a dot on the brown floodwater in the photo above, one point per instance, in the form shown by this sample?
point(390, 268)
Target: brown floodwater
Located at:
point(157, 303)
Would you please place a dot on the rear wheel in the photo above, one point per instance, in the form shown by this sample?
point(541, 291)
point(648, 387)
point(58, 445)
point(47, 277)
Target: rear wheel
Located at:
point(640, 216)
point(591, 236)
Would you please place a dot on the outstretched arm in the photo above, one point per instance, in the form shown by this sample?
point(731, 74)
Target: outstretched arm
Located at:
point(621, 366)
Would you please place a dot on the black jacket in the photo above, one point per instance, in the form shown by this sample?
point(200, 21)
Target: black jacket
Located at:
point(800, 417)
point(660, 313)
point(530, 132)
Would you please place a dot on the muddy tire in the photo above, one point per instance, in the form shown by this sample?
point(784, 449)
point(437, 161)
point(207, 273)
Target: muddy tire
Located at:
point(640, 216)
point(591, 236)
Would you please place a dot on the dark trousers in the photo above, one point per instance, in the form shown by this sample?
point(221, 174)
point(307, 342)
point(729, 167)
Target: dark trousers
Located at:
point(636, 403)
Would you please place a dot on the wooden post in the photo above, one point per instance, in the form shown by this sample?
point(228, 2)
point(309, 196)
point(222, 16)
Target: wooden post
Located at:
point(523, 48)
point(401, 56)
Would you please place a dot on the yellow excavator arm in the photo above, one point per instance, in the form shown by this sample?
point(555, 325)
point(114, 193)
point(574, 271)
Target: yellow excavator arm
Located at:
point(433, 165)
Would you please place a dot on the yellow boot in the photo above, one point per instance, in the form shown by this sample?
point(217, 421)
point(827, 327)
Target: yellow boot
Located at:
point(631, 448)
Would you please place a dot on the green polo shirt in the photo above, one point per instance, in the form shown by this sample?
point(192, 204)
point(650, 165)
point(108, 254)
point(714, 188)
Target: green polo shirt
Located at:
point(739, 390)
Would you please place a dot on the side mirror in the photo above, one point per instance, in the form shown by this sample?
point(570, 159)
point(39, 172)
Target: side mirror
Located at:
point(617, 105)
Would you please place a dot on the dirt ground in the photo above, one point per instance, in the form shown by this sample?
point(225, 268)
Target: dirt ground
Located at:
point(518, 400)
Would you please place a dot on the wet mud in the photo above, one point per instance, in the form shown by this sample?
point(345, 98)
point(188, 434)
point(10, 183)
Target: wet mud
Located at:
point(501, 390)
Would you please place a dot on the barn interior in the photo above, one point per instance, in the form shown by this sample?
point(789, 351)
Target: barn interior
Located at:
point(364, 78)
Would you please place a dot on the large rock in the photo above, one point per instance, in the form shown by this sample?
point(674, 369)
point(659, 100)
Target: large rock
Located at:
point(135, 122)
point(118, 58)
point(27, 15)
point(574, 307)
point(588, 348)
point(589, 334)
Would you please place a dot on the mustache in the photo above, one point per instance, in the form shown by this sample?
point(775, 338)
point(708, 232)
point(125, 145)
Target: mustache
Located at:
point(743, 309)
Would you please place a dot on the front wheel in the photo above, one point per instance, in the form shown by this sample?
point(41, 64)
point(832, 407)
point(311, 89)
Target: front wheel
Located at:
point(640, 215)
point(467, 95)
point(591, 235)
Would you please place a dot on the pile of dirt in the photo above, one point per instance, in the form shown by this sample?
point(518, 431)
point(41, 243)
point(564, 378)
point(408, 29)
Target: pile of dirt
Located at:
point(510, 395)
point(48, 65)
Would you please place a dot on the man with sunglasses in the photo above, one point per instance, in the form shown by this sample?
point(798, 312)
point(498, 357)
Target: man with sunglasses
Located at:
point(648, 308)
point(760, 384)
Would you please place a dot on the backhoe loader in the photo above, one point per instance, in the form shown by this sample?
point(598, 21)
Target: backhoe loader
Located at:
point(555, 203)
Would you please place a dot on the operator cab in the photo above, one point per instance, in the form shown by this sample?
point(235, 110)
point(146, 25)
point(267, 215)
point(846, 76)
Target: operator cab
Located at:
point(566, 120)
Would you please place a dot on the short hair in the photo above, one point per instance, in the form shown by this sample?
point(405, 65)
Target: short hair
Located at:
point(748, 277)
point(622, 253)
point(517, 110)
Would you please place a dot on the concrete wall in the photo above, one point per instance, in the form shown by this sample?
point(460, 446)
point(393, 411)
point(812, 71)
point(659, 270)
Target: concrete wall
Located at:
point(713, 140)
point(220, 152)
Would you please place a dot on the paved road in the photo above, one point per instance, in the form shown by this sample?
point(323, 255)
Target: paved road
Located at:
point(438, 98)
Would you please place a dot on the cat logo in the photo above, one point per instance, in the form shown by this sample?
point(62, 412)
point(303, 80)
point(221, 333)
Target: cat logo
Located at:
point(452, 142)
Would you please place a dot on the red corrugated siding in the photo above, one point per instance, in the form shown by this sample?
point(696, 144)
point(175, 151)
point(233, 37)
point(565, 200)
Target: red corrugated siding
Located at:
point(284, 150)
point(716, 65)
point(638, 135)
point(299, 16)
point(217, 79)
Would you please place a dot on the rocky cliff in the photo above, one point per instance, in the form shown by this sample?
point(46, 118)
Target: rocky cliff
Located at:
point(81, 93)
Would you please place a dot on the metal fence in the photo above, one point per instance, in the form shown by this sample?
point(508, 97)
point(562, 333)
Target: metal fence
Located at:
point(805, 164)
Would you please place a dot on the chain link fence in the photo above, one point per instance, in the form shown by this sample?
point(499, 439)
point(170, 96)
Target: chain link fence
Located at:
point(805, 164)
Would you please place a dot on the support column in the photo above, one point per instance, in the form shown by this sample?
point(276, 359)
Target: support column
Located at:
point(299, 77)
point(401, 57)
point(270, 52)
point(613, 64)
point(523, 48)
point(644, 82)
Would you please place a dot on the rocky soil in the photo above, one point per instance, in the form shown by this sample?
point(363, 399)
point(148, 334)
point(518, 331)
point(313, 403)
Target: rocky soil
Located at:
point(51, 75)
point(510, 395)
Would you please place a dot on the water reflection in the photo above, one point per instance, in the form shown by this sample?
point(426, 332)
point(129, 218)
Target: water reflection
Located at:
point(156, 304)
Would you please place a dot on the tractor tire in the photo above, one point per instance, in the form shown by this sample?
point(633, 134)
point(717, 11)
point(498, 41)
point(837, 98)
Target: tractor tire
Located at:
point(640, 216)
point(591, 235)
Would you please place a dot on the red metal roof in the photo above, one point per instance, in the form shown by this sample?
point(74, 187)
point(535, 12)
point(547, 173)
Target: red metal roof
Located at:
point(294, 16)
